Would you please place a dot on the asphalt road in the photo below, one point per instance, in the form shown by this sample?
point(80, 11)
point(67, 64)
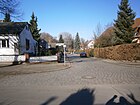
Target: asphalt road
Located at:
point(89, 81)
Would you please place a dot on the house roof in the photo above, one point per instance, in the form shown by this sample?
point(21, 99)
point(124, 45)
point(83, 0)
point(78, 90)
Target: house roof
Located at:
point(91, 41)
point(12, 27)
point(52, 44)
point(136, 23)
point(107, 32)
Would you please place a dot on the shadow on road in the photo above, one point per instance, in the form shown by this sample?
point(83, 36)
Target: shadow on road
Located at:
point(9, 65)
point(3, 66)
point(87, 97)
point(81, 97)
point(49, 100)
point(123, 100)
point(6, 103)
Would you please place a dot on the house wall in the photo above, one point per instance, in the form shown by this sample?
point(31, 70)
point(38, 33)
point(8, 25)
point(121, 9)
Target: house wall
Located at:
point(26, 34)
point(91, 44)
point(20, 42)
point(11, 49)
point(6, 51)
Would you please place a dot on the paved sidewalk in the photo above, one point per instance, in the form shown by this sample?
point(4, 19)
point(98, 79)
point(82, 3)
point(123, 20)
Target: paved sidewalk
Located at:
point(9, 69)
point(136, 63)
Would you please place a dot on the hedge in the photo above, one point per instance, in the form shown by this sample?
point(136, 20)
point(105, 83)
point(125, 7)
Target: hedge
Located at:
point(128, 52)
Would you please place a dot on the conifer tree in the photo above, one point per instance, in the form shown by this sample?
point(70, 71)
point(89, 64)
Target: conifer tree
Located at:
point(77, 42)
point(123, 24)
point(34, 27)
point(61, 40)
point(7, 18)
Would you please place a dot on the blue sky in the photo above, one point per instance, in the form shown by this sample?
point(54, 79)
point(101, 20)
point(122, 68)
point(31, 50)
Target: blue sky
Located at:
point(82, 16)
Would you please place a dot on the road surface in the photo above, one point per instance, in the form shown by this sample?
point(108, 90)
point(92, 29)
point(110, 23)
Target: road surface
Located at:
point(89, 81)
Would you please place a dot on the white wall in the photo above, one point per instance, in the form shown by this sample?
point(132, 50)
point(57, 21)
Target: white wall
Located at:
point(91, 44)
point(43, 59)
point(9, 51)
point(26, 34)
point(6, 58)
point(12, 58)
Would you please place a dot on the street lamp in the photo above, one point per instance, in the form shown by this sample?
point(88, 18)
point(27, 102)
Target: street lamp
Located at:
point(64, 53)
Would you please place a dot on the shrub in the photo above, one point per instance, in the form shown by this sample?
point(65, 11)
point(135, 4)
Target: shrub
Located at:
point(51, 51)
point(128, 52)
point(90, 52)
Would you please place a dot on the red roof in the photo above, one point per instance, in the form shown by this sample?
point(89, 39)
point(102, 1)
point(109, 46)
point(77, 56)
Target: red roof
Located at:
point(136, 23)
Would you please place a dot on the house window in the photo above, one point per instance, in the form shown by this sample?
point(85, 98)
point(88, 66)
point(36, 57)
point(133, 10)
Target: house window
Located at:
point(7, 43)
point(4, 43)
point(0, 44)
point(27, 44)
point(138, 29)
point(15, 47)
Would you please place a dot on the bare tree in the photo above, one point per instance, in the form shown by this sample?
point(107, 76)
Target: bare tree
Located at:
point(11, 7)
point(108, 25)
point(49, 38)
point(83, 43)
point(98, 31)
point(68, 40)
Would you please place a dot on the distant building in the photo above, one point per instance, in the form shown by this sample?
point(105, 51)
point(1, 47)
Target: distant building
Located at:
point(1, 21)
point(90, 44)
point(16, 38)
point(52, 45)
point(43, 46)
point(136, 26)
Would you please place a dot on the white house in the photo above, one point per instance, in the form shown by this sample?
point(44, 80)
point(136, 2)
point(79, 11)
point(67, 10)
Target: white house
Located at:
point(136, 26)
point(90, 44)
point(16, 39)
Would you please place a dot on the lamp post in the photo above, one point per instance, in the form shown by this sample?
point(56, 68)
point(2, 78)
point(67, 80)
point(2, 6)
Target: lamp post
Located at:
point(64, 54)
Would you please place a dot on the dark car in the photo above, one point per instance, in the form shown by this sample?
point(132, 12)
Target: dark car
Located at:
point(83, 54)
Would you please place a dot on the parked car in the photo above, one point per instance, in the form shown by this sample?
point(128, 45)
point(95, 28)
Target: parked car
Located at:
point(83, 54)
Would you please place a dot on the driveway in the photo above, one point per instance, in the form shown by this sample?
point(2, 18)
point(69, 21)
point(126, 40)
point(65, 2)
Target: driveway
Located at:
point(89, 81)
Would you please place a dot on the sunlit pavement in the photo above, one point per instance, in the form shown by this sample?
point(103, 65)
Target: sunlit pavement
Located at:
point(89, 81)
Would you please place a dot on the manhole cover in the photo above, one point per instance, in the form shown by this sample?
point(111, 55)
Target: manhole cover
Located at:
point(88, 77)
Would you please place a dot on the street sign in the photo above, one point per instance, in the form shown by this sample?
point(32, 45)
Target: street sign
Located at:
point(59, 44)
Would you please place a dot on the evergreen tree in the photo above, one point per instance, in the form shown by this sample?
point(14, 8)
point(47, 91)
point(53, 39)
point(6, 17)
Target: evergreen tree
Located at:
point(34, 27)
point(61, 40)
point(72, 44)
point(123, 24)
point(77, 42)
point(7, 18)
